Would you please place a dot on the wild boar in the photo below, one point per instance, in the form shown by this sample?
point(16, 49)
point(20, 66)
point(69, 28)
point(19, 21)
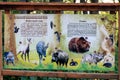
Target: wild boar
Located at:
point(60, 57)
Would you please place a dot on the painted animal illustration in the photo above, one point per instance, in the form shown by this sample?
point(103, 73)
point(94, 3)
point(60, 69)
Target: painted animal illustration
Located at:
point(57, 35)
point(9, 57)
point(108, 60)
point(93, 58)
point(41, 50)
point(73, 63)
point(16, 29)
point(111, 38)
point(107, 41)
point(108, 65)
point(60, 57)
point(25, 49)
point(79, 45)
point(52, 25)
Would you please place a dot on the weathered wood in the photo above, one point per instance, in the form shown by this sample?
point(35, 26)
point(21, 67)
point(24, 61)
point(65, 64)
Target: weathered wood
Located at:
point(1, 76)
point(60, 74)
point(119, 43)
point(59, 6)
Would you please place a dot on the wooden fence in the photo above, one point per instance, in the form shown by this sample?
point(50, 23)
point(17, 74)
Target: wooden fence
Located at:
point(8, 6)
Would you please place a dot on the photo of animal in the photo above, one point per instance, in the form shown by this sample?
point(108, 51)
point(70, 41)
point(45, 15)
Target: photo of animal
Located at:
point(24, 49)
point(107, 41)
point(60, 57)
point(16, 29)
point(41, 50)
point(73, 63)
point(58, 35)
point(52, 25)
point(79, 45)
point(92, 58)
point(108, 60)
point(9, 58)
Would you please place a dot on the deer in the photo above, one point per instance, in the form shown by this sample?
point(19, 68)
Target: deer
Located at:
point(25, 49)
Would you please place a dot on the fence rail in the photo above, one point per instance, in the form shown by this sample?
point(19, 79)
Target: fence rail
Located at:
point(60, 74)
point(59, 6)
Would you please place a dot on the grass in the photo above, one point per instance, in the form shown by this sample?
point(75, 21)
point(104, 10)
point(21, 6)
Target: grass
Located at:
point(47, 65)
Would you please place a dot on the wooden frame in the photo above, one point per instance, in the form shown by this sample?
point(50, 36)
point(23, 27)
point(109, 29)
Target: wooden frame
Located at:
point(59, 6)
point(1, 77)
point(7, 6)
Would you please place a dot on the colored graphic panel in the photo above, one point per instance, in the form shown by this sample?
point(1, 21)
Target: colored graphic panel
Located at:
point(65, 42)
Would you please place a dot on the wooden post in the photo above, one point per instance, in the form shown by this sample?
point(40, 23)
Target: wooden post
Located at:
point(119, 43)
point(1, 76)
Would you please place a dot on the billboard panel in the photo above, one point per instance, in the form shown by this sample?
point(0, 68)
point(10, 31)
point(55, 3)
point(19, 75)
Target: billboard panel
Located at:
point(60, 42)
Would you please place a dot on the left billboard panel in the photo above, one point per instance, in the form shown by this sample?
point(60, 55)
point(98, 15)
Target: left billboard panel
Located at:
point(26, 40)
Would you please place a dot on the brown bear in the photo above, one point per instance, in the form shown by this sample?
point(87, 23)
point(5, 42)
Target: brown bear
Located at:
point(79, 45)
